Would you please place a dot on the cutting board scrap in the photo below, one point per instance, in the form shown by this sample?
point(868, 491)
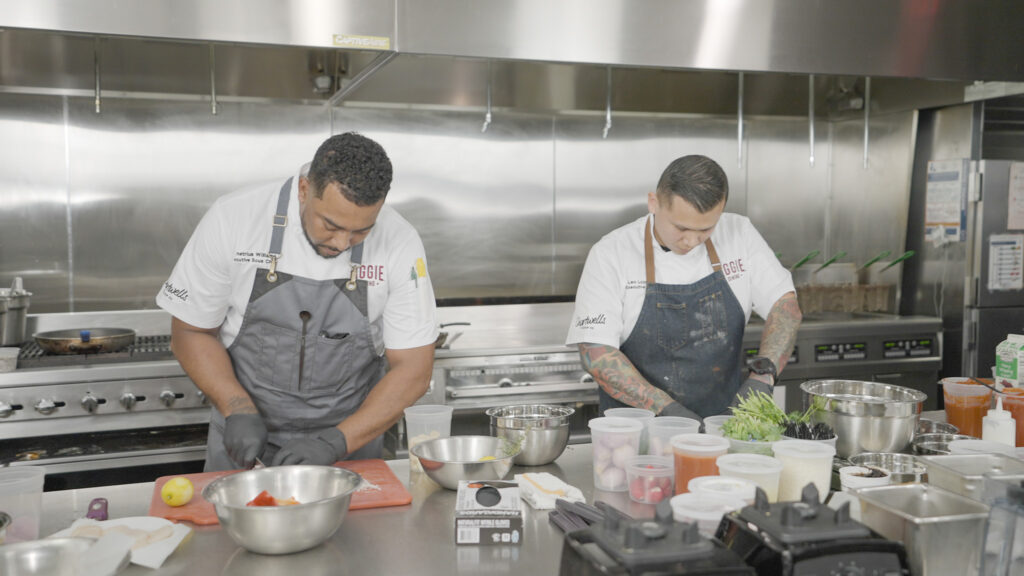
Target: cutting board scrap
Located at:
point(384, 489)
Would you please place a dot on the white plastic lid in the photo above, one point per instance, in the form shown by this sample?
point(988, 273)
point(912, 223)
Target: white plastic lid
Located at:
point(651, 466)
point(803, 449)
point(691, 506)
point(610, 424)
point(727, 486)
point(746, 463)
point(699, 443)
point(639, 413)
point(980, 447)
point(673, 422)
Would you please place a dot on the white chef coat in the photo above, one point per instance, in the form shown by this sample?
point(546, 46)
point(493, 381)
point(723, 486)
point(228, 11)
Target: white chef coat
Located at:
point(611, 290)
point(211, 283)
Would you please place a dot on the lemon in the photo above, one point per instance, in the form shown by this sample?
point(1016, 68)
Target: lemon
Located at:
point(177, 491)
point(486, 458)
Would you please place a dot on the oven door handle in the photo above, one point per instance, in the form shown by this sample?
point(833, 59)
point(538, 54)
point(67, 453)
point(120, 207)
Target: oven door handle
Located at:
point(479, 391)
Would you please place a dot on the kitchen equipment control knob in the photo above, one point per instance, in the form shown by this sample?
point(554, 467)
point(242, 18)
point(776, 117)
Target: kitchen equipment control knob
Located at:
point(45, 406)
point(202, 397)
point(90, 403)
point(128, 400)
point(6, 410)
point(168, 398)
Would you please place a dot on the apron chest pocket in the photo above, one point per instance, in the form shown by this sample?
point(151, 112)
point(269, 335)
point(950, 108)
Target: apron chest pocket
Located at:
point(673, 325)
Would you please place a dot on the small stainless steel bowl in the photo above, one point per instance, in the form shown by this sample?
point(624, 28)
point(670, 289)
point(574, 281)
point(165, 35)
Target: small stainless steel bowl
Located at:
point(324, 493)
point(448, 460)
point(926, 426)
point(901, 467)
point(540, 430)
point(935, 444)
point(49, 556)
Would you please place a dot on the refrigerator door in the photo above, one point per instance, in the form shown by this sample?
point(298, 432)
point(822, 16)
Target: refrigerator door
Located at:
point(987, 328)
point(990, 218)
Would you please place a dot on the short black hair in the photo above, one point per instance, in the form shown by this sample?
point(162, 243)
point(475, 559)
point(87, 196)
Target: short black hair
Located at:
point(697, 179)
point(356, 163)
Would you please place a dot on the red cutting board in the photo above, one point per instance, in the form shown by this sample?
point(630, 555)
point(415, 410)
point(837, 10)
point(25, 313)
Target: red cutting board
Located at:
point(199, 511)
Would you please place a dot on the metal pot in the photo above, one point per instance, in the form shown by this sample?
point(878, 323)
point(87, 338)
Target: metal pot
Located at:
point(867, 416)
point(89, 341)
point(14, 303)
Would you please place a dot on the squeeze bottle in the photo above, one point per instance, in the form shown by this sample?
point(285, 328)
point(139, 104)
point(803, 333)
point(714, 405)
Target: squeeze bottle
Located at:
point(998, 425)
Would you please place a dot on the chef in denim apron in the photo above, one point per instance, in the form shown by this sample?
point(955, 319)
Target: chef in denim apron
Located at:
point(299, 376)
point(675, 348)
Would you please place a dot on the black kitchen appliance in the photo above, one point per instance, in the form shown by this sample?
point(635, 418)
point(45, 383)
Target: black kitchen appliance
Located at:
point(808, 538)
point(620, 546)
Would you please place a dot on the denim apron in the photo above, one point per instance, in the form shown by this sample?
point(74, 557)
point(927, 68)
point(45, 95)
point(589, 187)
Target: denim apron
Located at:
point(687, 339)
point(304, 353)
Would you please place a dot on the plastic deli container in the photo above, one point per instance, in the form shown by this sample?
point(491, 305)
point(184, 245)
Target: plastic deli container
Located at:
point(651, 479)
point(713, 424)
point(695, 455)
point(704, 509)
point(726, 486)
point(750, 447)
point(640, 414)
point(803, 461)
point(660, 431)
point(426, 422)
point(966, 403)
point(1013, 401)
point(615, 441)
point(853, 477)
point(764, 471)
point(21, 497)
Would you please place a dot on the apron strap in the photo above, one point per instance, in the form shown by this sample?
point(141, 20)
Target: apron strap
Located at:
point(280, 218)
point(649, 252)
point(712, 255)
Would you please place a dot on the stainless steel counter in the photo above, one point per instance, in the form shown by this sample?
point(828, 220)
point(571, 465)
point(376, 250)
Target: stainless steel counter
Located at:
point(414, 539)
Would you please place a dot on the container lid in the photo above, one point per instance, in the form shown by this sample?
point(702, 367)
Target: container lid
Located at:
point(741, 488)
point(746, 463)
point(612, 424)
point(651, 465)
point(803, 449)
point(703, 506)
point(673, 423)
point(629, 413)
point(699, 443)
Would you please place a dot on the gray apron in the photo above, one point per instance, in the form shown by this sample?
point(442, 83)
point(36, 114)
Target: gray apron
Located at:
point(304, 353)
point(687, 339)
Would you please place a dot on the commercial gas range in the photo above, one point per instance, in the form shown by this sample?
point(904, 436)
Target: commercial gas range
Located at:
point(107, 418)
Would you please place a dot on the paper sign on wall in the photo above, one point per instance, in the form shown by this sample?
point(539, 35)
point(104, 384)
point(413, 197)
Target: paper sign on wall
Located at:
point(945, 215)
point(1015, 213)
point(1005, 262)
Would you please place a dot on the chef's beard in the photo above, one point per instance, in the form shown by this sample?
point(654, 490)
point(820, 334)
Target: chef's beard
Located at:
point(316, 247)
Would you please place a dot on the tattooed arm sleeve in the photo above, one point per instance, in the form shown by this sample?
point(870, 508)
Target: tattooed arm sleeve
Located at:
point(620, 379)
point(780, 332)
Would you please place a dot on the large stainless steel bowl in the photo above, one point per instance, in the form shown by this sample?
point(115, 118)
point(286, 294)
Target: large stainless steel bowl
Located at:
point(540, 430)
point(448, 460)
point(49, 557)
point(324, 493)
point(867, 416)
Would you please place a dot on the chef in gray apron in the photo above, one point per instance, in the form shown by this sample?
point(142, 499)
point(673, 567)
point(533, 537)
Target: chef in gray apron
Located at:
point(675, 348)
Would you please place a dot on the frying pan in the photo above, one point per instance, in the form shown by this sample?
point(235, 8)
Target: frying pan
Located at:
point(89, 341)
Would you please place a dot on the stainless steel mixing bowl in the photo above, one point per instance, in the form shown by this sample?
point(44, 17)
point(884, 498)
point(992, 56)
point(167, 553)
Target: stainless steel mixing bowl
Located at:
point(49, 556)
point(902, 467)
point(935, 444)
point(324, 493)
point(867, 416)
point(448, 460)
point(540, 430)
point(926, 426)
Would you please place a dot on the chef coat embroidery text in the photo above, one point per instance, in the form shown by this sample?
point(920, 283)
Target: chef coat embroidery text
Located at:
point(372, 273)
point(179, 293)
point(247, 257)
point(588, 321)
point(733, 269)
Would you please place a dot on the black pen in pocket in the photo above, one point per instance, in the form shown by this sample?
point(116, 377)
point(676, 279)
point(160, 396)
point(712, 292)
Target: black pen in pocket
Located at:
point(333, 335)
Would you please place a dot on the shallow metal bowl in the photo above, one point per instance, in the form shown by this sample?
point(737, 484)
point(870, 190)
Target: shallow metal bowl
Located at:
point(926, 426)
point(935, 444)
point(448, 460)
point(540, 430)
point(50, 556)
point(324, 493)
point(866, 416)
point(901, 467)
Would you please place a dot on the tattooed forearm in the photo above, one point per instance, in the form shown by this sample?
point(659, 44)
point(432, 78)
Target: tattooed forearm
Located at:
point(780, 330)
point(620, 379)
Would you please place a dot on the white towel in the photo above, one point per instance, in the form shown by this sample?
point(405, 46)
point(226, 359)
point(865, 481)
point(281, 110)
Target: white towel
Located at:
point(541, 489)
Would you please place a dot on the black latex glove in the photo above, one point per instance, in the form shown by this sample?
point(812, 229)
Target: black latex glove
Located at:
point(245, 436)
point(323, 449)
point(749, 386)
point(677, 409)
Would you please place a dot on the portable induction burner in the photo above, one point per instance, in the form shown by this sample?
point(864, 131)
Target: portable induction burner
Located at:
point(808, 538)
point(621, 546)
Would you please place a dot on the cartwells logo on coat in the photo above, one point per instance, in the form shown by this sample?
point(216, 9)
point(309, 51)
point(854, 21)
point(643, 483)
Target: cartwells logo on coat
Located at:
point(733, 269)
point(589, 321)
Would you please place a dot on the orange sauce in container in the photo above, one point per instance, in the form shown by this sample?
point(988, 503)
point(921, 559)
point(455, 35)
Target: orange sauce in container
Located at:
point(966, 404)
point(695, 455)
point(1013, 400)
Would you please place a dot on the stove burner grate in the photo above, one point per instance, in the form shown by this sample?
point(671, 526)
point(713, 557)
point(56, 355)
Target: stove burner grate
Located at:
point(145, 348)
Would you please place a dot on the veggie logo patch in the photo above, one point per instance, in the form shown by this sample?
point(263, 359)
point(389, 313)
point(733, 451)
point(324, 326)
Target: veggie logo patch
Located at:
point(419, 270)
